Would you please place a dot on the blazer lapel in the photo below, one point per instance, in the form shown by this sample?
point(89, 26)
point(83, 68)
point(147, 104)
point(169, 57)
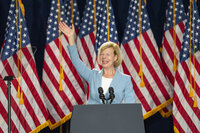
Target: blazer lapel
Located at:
point(115, 79)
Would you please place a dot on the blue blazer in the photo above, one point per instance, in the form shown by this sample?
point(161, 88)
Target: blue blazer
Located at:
point(121, 83)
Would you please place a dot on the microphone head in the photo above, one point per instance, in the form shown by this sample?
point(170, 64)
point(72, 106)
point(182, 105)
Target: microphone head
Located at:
point(111, 90)
point(100, 90)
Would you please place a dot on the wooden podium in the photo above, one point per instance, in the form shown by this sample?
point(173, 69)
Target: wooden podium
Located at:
point(107, 118)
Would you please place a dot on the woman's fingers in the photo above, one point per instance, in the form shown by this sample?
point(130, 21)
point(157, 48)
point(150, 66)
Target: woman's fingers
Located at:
point(73, 27)
point(69, 32)
point(61, 27)
point(66, 29)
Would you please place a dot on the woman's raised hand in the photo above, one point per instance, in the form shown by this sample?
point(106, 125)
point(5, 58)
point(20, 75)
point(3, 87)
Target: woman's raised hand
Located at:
point(69, 32)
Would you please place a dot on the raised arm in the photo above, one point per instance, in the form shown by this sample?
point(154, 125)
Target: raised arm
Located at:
point(81, 68)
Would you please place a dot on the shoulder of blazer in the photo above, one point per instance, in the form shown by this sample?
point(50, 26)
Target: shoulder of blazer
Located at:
point(122, 75)
point(96, 72)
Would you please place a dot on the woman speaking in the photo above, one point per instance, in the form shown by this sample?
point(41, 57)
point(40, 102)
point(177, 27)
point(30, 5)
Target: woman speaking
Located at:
point(109, 57)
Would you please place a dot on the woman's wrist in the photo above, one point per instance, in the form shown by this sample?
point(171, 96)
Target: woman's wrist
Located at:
point(71, 41)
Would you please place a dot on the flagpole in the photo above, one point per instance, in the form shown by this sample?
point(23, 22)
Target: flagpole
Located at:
point(9, 79)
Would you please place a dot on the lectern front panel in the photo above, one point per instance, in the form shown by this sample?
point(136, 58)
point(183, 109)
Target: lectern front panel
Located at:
point(107, 118)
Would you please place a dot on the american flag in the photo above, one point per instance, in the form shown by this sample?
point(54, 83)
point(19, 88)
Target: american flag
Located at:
point(172, 40)
point(186, 116)
point(56, 58)
point(17, 60)
point(170, 48)
point(88, 41)
point(156, 93)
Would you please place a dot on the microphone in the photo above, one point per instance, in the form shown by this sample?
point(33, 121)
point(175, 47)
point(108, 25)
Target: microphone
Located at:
point(101, 95)
point(112, 95)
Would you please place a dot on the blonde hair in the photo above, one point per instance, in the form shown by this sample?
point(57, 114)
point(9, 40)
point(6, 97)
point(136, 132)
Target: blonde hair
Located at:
point(116, 52)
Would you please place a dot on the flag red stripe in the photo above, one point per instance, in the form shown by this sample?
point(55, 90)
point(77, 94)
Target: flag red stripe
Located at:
point(32, 88)
point(137, 67)
point(178, 42)
point(177, 125)
point(169, 49)
point(66, 79)
point(137, 90)
point(29, 83)
point(184, 114)
point(151, 68)
point(165, 66)
point(92, 38)
point(29, 58)
point(17, 111)
point(186, 69)
point(182, 26)
point(56, 86)
point(52, 100)
point(153, 50)
point(87, 52)
point(5, 117)
point(26, 102)
point(3, 112)
point(197, 65)
point(186, 94)
point(167, 72)
point(71, 67)
point(1, 131)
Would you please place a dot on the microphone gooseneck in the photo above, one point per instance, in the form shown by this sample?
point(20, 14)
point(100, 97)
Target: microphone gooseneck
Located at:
point(101, 95)
point(112, 95)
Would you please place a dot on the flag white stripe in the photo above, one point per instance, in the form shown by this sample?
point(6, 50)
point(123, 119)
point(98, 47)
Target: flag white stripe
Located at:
point(179, 118)
point(170, 41)
point(70, 74)
point(197, 76)
point(137, 79)
point(82, 53)
point(52, 111)
point(66, 69)
point(3, 125)
point(171, 44)
point(185, 105)
point(147, 74)
point(179, 32)
point(155, 64)
point(47, 80)
point(90, 47)
point(14, 117)
point(27, 92)
point(181, 97)
point(58, 99)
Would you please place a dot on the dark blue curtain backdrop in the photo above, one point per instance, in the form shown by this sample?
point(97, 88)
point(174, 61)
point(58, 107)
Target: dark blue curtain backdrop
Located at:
point(36, 14)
